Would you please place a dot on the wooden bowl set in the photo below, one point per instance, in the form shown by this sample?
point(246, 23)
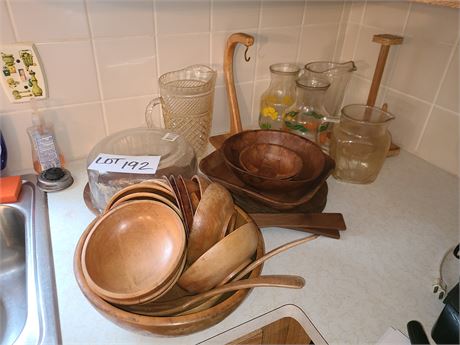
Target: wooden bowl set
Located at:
point(270, 170)
point(132, 262)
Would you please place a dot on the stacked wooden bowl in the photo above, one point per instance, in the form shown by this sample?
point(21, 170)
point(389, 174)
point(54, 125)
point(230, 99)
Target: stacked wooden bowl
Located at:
point(141, 261)
point(272, 160)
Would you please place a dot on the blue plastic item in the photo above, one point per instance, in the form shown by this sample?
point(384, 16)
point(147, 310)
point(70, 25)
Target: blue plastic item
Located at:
point(3, 153)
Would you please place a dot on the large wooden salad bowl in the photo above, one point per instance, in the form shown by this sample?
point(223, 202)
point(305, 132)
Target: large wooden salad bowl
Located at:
point(171, 325)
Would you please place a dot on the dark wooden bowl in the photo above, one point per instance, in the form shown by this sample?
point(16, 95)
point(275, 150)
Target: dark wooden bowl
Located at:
point(313, 159)
point(166, 325)
point(271, 161)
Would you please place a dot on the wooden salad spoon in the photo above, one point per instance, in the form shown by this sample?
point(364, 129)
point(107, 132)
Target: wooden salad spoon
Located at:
point(186, 302)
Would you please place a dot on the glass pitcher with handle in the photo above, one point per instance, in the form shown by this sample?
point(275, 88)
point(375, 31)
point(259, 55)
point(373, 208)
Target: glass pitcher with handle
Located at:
point(360, 142)
point(187, 100)
point(338, 74)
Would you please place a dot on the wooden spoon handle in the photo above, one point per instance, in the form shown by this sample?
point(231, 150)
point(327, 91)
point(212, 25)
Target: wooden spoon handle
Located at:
point(181, 304)
point(273, 253)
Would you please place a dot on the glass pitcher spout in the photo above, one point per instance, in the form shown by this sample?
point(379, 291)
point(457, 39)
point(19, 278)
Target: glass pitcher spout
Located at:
point(331, 67)
point(338, 74)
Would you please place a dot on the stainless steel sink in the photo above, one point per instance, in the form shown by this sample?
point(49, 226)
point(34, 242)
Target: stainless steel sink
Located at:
point(28, 304)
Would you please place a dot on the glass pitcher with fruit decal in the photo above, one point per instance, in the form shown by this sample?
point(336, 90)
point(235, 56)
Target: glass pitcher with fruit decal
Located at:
point(308, 116)
point(279, 95)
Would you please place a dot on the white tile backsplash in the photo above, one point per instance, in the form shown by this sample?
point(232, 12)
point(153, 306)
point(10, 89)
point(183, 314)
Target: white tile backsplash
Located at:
point(70, 72)
point(440, 142)
point(282, 13)
point(102, 59)
point(318, 42)
point(127, 66)
point(71, 122)
point(378, 14)
point(182, 17)
point(127, 113)
point(276, 45)
point(227, 15)
point(410, 117)
point(433, 23)
point(6, 28)
point(419, 68)
point(449, 95)
point(114, 18)
point(323, 12)
point(14, 129)
point(47, 20)
point(179, 51)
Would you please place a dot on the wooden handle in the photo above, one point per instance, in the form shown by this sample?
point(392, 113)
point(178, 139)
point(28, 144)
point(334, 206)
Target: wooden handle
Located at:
point(386, 41)
point(300, 220)
point(232, 42)
point(272, 253)
point(184, 303)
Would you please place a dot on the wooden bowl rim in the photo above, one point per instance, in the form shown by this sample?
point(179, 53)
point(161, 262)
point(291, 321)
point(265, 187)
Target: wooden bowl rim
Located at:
point(148, 184)
point(121, 296)
point(148, 196)
point(236, 136)
point(162, 323)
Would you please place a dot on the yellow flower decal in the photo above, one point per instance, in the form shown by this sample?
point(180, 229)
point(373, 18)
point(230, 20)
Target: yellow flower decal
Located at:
point(270, 112)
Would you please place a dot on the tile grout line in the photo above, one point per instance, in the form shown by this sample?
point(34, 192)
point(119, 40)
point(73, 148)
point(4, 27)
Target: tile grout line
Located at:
point(96, 65)
point(436, 95)
point(339, 33)
point(305, 8)
point(12, 21)
point(211, 24)
point(360, 25)
point(156, 36)
point(391, 72)
point(254, 105)
point(399, 92)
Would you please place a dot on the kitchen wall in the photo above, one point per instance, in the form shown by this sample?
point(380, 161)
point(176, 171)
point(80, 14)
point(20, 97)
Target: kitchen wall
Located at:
point(421, 77)
point(102, 59)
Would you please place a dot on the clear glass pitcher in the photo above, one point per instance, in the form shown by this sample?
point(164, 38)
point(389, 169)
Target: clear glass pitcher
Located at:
point(279, 95)
point(338, 74)
point(360, 142)
point(307, 115)
point(187, 100)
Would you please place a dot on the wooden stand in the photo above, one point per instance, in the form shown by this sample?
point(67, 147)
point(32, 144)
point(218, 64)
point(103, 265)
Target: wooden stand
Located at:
point(235, 120)
point(386, 41)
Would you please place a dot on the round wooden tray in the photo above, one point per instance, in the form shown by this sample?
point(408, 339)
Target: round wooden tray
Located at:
point(173, 325)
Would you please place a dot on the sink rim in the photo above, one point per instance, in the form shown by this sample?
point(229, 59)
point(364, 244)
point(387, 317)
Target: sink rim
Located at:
point(42, 321)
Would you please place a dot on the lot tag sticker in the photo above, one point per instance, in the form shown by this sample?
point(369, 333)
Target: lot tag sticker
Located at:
point(125, 164)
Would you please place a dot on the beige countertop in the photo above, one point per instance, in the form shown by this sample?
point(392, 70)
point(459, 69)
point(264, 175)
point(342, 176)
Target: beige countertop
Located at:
point(378, 275)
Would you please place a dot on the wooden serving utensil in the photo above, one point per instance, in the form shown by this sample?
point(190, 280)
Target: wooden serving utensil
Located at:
point(186, 302)
point(325, 224)
point(235, 119)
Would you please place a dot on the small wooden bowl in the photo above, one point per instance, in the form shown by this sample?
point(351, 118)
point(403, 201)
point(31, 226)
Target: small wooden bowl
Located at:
point(147, 196)
point(158, 186)
point(172, 325)
point(210, 221)
point(132, 250)
point(220, 260)
point(271, 161)
point(313, 159)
